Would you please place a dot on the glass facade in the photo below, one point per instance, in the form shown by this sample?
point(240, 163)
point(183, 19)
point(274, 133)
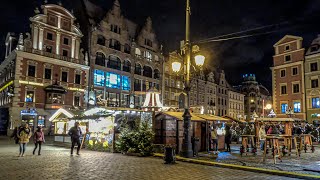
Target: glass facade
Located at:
point(112, 80)
point(125, 83)
point(98, 78)
point(296, 107)
point(284, 108)
point(316, 102)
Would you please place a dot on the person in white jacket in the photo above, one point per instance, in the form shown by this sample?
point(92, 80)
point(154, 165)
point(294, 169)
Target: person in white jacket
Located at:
point(262, 136)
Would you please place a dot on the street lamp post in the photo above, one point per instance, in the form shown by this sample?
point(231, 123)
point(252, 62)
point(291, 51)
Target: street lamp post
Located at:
point(176, 66)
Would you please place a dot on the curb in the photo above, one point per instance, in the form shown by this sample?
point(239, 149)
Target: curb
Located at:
point(245, 168)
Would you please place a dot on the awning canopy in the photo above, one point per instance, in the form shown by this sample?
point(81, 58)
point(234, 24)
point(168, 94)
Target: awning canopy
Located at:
point(210, 117)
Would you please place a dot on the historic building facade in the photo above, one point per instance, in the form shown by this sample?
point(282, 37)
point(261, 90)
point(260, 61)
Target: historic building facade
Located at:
point(125, 60)
point(236, 104)
point(43, 71)
point(210, 91)
point(288, 82)
point(256, 96)
point(312, 75)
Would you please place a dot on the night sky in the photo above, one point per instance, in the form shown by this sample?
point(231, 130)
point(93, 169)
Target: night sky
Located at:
point(210, 18)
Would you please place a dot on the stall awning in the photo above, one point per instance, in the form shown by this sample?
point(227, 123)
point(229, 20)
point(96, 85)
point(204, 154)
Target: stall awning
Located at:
point(178, 115)
point(61, 114)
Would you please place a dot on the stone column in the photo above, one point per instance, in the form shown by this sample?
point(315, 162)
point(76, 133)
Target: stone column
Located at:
point(35, 37)
point(73, 46)
point(77, 49)
point(41, 39)
point(58, 43)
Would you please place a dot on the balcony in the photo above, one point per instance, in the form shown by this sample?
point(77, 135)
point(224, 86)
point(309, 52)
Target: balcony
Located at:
point(55, 56)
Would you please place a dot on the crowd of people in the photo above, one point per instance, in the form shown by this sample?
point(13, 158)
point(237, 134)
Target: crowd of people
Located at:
point(23, 133)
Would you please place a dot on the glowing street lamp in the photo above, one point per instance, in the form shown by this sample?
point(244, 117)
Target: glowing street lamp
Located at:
point(268, 106)
point(176, 66)
point(199, 59)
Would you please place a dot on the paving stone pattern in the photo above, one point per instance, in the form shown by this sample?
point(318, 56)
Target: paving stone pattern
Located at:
point(56, 163)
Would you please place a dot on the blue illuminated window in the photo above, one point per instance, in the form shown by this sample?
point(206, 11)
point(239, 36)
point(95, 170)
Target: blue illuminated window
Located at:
point(284, 108)
point(296, 107)
point(98, 78)
point(112, 80)
point(125, 83)
point(316, 102)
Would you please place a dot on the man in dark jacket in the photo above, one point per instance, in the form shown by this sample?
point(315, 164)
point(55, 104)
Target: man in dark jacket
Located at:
point(75, 133)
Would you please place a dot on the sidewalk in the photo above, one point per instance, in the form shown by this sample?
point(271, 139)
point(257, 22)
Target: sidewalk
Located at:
point(305, 166)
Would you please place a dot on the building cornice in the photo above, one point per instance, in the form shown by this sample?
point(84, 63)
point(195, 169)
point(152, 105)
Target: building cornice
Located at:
point(287, 65)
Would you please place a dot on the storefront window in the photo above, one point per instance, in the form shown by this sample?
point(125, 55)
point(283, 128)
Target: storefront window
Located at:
point(112, 80)
point(98, 78)
point(316, 102)
point(125, 83)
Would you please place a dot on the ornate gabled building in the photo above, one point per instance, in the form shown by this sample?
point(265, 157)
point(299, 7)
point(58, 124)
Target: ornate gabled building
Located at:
point(288, 81)
point(256, 96)
point(43, 70)
point(125, 60)
point(312, 76)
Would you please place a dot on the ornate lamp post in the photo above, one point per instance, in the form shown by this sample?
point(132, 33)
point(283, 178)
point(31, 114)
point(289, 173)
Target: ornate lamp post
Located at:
point(176, 66)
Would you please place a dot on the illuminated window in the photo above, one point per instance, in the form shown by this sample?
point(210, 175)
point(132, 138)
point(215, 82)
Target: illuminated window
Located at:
point(125, 83)
point(41, 121)
point(284, 108)
point(30, 96)
point(296, 107)
point(112, 80)
point(148, 55)
point(98, 78)
point(316, 102)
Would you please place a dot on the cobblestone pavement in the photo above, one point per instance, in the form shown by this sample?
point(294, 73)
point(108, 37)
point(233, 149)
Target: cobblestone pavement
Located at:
point(56, 163)
point(307, 163)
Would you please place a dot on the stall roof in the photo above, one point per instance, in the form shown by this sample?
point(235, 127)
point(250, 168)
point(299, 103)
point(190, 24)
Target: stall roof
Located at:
point(196, 117)
point(178, 115)
point(60, 111)
point(233, 119)
point(278, 119)
point(210, 117)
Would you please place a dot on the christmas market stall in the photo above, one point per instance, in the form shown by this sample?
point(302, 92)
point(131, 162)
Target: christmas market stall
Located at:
point(169, 129)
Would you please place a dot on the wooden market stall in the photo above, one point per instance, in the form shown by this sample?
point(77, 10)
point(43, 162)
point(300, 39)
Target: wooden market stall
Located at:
point(169, 129)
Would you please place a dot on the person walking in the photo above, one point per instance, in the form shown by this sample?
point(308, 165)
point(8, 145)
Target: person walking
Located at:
point(24, 135)
point(262, 136)
point(75, 133)
point(228, 137)
point(38, 140)
point(214, 138)
point(14, 134)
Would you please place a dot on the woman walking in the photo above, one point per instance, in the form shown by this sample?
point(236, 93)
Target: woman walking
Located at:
point(38, 140)
point(228, 137)
point(24, 135)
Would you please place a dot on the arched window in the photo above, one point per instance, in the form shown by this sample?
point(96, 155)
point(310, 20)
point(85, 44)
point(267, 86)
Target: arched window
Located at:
point(156, 74)
point(138, 52)
point(115, 44)
point(137, 69)
point(101, 40)
point(100, 59)
point(126, 66)
point(127, 48)
point(114, 62)
point(147, 71)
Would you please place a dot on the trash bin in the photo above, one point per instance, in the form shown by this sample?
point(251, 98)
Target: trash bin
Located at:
point(195, 145)
point(169, 155)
